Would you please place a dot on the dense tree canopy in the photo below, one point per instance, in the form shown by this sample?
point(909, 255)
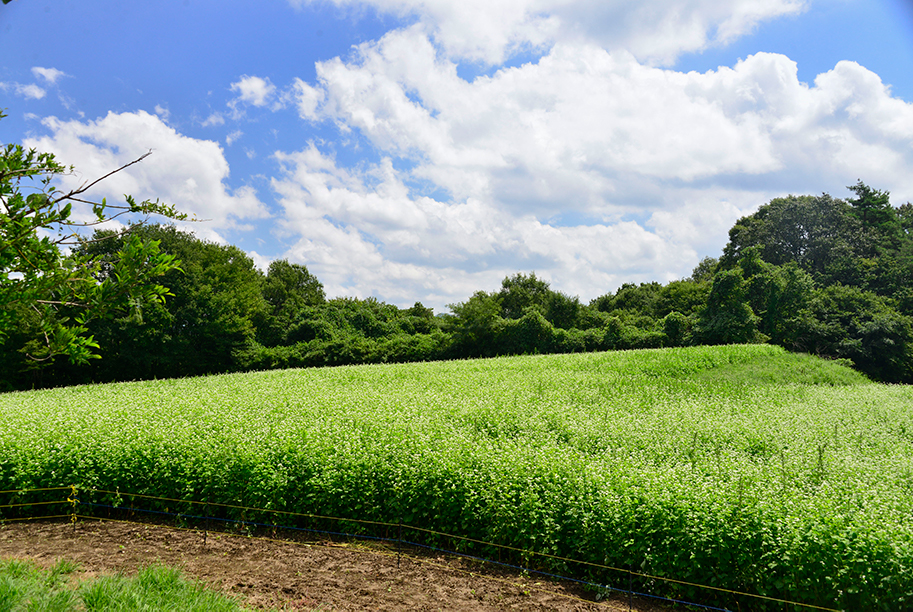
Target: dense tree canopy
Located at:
point(810, 273)
point(832, 277)
point(812, 231)
point(48, 296)
point(288, 289)
point(215, 297)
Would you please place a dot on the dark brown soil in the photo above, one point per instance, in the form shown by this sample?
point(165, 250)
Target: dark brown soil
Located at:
point(300, 576)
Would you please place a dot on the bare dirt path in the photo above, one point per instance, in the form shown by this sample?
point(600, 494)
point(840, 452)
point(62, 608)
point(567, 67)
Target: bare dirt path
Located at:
point(300, 576)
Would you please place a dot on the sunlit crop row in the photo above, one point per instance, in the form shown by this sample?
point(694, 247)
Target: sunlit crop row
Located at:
point(741, 467)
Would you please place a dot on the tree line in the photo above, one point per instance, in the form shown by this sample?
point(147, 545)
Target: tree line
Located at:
point(815, 274)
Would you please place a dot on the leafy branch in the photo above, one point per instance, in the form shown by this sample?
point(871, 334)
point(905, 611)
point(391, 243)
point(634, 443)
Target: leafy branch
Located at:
point(49, 296)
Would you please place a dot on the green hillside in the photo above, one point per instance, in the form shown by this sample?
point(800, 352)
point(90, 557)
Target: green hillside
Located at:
point(742, 467)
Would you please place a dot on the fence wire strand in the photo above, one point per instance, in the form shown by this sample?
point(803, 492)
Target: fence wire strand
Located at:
point(44, 503)
point(36, 490)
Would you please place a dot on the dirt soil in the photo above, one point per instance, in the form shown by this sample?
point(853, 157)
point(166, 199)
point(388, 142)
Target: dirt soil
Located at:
point(270, 574)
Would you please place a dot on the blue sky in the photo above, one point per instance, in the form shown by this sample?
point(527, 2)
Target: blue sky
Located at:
point(420, 150)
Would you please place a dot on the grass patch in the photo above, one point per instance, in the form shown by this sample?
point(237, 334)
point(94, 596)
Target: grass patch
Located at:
point(24, 586)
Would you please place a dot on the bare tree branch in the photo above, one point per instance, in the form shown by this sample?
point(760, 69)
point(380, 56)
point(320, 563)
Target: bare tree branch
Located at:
point(85, 187)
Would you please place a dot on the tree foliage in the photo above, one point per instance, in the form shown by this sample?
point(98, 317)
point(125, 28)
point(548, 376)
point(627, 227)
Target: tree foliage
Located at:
point(728, 318)
point(850, 323)
point(50, 289)
point(831, 277)
point(215, 298)
point(812, 231)
point(287, 289)
point(810, 273)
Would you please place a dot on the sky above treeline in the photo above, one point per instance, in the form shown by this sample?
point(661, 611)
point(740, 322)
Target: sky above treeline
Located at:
point(421, 150)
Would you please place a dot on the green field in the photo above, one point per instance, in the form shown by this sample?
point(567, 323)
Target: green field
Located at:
point(743, 467)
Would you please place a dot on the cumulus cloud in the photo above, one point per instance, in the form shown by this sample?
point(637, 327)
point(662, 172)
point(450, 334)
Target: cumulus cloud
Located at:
point(659, 31)
point(566, 127)
point(656, 31)
point(183, 171)
point(588, 165)
point(366, 235)
point(306, 98)
point(582, 122)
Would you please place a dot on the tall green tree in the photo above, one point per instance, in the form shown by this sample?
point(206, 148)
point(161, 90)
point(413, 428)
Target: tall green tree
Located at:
point(521, 292)
point(778, 295)
point(216, 297)
point(835, 241)
point(476, 324)
point(705, 269)
point(872, 206)
point(813, 231)
point(728, 318)
point(684, 296)
point(288, 289)
point(879, 219)
point(904, 214)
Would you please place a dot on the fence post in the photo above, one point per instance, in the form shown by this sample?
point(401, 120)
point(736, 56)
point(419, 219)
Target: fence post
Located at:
point(73, 501)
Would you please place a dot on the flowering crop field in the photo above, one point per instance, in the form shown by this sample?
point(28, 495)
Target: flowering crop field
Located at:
point(740, 467)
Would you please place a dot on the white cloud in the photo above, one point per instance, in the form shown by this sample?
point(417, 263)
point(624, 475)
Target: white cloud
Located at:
point(163, 112)
point(589, 166)
point(30, 91)
point(49, 75)
point(306, 98)
point(232, 137)
point(702, 219)
point(260, 261)
point(183, 171)
point(564, 127)
point(254, 90)
point(656, 31)
point(586, 120)
point(215, 119)
point(363, 233)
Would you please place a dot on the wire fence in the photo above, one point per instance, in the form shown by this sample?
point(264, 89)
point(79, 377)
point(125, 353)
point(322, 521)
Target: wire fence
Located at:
point(77, 503)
